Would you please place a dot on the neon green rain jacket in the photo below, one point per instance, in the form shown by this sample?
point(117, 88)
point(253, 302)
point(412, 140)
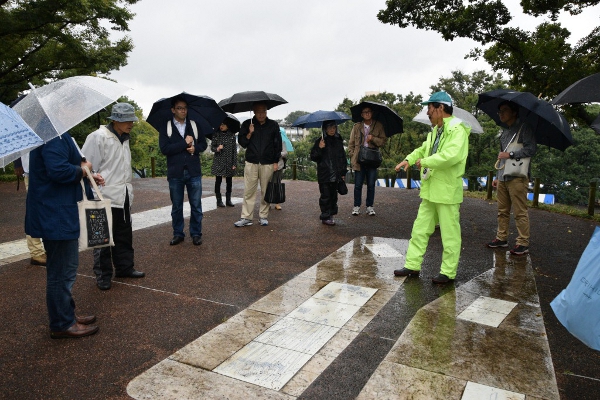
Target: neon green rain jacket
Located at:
point(447, 165)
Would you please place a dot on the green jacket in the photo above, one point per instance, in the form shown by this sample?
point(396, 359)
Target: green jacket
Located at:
point(447, 165)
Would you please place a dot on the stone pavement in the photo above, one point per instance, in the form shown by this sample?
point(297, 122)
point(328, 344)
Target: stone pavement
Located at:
point(301, 310)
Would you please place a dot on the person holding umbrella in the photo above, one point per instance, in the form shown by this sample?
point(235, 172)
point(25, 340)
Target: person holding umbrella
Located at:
point(180, 140)
point(261, 138)
point(328, 152)
point(442, 158)
point(512, 190)
point(224, 147)
point(369, 133)
point(107, 148)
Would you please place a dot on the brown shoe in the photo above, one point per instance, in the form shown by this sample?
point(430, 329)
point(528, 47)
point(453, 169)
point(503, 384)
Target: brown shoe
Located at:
point(41, 260)
point(86, 320)
point(75, 331)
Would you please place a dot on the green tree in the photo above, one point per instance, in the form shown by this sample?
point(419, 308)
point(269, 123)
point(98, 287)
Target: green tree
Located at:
point(541, 61)
point(293, 116)
point(45, 40)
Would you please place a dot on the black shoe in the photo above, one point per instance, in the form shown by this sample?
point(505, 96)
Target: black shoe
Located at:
point(441, 279)
point(219, 200)
point(132, 274)
point(228, 200)
point(519, 250)
point(176, 240)
point(406, 272)
point(497, 243)
point(103, 284)
point(197, 240)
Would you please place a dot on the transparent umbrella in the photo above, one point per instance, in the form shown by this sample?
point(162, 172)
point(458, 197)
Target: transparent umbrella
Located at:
point(53, 109)
point(466, 116)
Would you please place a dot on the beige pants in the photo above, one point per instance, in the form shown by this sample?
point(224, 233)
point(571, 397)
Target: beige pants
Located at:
point(35, 245)
point(513, 194)
point(253, 174)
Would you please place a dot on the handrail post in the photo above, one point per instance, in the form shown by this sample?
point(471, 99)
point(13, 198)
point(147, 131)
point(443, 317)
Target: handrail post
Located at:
point(153, 166)
point(408, 177)
point(294, 171)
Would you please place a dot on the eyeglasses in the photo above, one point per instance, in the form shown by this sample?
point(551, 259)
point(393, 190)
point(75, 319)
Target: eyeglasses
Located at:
point(367, 112)
point(180, 108)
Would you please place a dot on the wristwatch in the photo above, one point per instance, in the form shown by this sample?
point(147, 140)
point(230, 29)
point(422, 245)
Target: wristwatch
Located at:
point(512, 154)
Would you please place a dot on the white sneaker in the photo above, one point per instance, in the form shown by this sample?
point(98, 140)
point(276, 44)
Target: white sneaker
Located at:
point(243, 222)
point(356, 210)
point(264, 222)
point(370, 211)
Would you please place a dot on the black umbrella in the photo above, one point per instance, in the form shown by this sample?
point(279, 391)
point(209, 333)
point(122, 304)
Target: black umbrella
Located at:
point(316, 119)
point(202, 109)
point(233, 125)
point(586, 90)
point(549, 126)
point(244, 101)
point(392, 122)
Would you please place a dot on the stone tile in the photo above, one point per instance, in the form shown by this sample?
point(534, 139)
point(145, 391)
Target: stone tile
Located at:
point(496, 305)
point(264, 365)
point(475, 391)
point(217, 345)
point(395, 381)
point(345, 294)
point(170, 380)
point(482, 316)
point(288, 296)
point(366, 313)
point(495, 357)
point(324, 312)
point(306, 376)
point(298, 335)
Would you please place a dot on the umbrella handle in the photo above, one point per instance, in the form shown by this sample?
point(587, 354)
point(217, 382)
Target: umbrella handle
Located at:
point(496, 165)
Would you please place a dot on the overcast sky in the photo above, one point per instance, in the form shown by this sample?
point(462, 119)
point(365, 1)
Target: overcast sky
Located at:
point(313, 53)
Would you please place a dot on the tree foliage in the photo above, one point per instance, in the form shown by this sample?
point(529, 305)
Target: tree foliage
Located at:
point(45, 40)
point(293, 116)
point(540, 62)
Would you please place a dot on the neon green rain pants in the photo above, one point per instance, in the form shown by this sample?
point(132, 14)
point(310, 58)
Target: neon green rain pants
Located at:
point(449, 219)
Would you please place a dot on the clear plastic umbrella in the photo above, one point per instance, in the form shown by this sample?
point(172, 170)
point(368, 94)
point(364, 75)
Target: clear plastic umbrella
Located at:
point(16, 137)
point(53, 109)
point(466, 116)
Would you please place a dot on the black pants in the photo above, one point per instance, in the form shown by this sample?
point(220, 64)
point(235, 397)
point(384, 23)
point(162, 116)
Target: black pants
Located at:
point(328, 200)
point(229, 183)
point(121, 254)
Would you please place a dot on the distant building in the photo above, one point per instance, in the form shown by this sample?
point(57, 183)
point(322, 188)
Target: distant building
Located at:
point(295, 134)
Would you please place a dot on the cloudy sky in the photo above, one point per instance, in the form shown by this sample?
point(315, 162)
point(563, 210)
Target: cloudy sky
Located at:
point(313, 53)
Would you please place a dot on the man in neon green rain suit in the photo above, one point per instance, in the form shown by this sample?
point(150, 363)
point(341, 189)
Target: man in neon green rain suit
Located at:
point(442, 159)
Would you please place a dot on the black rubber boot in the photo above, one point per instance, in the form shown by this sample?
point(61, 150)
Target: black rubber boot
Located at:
point(228, 201)
point(219, 200)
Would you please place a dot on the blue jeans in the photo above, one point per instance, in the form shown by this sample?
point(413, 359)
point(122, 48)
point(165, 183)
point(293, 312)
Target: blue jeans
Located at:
point(359, 179)
point(194, 190)
point(61, 270)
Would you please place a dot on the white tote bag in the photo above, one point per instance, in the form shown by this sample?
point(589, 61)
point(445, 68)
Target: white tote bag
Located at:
point(95, 219)
point(517, 167)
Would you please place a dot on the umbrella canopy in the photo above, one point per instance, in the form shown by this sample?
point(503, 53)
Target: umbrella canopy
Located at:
point(316, 119)
point(202, 109)
point(244, 101)
point(549, 126)
point(466, 116)
point(392, 122)
point(53, 109)
point(16, 137)
point(233, 125)
point(586, 90)
point(286, 141)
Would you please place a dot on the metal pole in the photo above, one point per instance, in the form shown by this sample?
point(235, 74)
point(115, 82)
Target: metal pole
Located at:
point(536, 191)
point(592, 198)
point(153, 166)
point(489, 187)
point(408, 177)
point(294, 171)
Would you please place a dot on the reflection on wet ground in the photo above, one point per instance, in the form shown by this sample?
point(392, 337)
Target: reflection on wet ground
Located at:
point(483, 339)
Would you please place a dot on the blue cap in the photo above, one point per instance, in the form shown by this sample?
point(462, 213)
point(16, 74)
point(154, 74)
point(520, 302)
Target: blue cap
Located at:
point(439, 97)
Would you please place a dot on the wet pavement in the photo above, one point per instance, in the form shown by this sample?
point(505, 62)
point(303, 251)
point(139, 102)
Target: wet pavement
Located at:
point(298, 309)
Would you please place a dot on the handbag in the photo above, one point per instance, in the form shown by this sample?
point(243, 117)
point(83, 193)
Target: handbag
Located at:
point(517, 167)
point(341, 187)
point(368, 157)
point(95, 219)
point(275, 193)
point(576, 307)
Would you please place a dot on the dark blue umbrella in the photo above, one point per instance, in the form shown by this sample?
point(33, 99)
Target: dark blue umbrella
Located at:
point(202, 109)
point(549, 126)
point(586, 90)
point(316, 119)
